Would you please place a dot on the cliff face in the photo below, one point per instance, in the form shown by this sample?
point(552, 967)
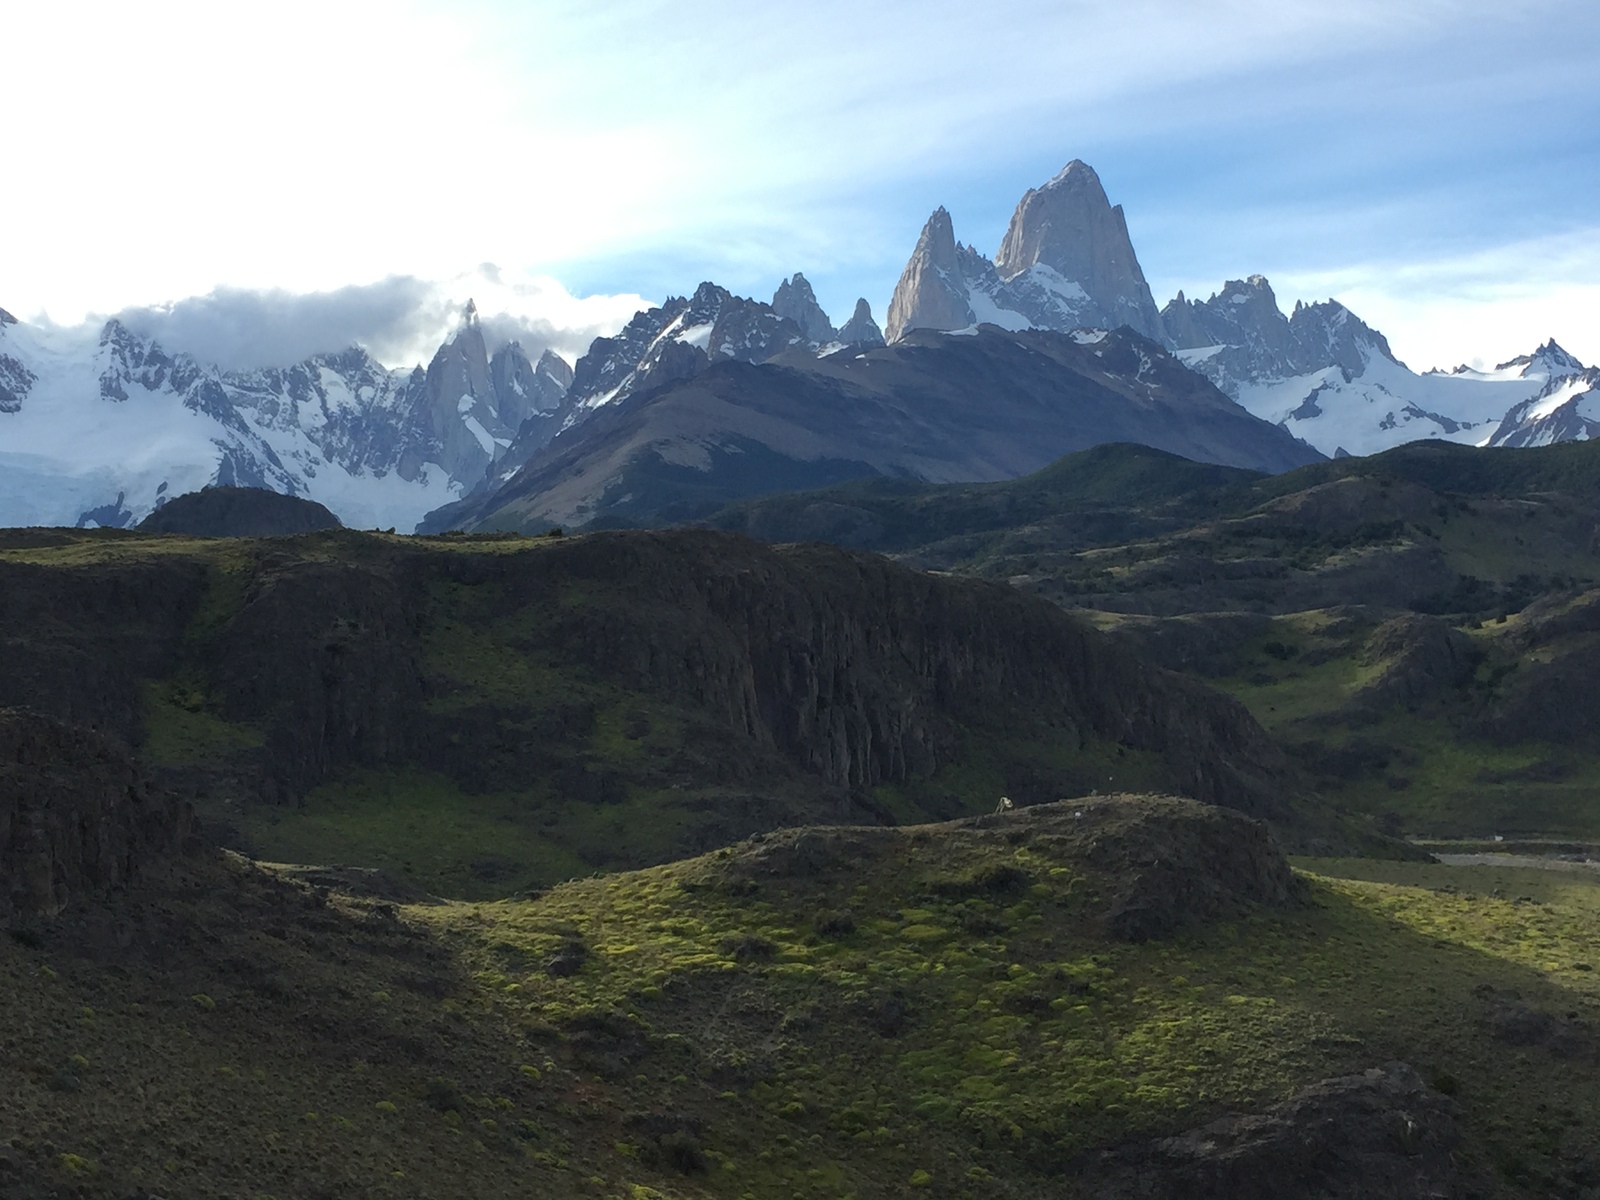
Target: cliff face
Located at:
point(804, 677)
point(862, 672)
point(1069, 227)
point(931, 293)
point(76, 817)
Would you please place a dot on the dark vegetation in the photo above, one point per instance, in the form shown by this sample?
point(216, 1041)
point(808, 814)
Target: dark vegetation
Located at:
point(1414, 627)
point(238, 512)
point(488, 715)
point(1113, 995)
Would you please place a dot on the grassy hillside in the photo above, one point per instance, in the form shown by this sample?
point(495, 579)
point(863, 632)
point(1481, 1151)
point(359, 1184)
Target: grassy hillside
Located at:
point(976, 1009)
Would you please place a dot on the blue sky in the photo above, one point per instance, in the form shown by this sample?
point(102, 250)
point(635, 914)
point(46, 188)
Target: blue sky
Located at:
point(1433, 163)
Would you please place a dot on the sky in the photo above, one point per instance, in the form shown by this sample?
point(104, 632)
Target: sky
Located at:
point(259, 181)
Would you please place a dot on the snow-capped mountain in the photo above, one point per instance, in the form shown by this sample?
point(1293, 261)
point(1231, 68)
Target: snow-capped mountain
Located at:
point(1565, 409)
point(1332, 380)
point(1066, 262)
point(686, 335)
point(1321, 372)
point(678, 340)
point(102, 429)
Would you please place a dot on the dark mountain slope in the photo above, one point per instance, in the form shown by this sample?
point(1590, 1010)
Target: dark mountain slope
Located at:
point(1109, 493)
point(938, 407)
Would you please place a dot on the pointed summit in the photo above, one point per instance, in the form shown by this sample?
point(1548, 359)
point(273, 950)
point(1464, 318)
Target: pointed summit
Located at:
point(1069, 228)
point(861, 329)
point(795, 299)
point(1549, 361)
point(469, 314)
point(931, 293)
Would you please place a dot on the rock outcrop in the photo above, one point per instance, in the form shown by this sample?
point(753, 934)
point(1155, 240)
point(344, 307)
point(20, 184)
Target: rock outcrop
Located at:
point(1070, 229)
point(851, 670)
point(76, 817)
point(796, 301)
point(861, 330)
point(931, 293)
point(1418, 658)
point(1380, 1135)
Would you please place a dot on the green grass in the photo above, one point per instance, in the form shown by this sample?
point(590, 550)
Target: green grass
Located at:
point(181, 731)
point(1420, 770)
point(970, 1025)
point(422, 828)
point(1031, 1037)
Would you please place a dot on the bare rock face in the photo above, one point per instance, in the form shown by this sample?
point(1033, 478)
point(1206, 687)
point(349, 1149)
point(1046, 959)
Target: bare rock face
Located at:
point(861, 329)
point(524, 389)
point(931, 294)
point(1380, 1135)
point(1066, 263)
point(1069, 227)
point(795, 299)
point(76, 818)
point(459, 382)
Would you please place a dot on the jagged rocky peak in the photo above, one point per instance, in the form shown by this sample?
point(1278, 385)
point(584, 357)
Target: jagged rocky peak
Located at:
point(1329, 334)
point(795, 300)
point(516, 385)
point(931, 293)
point(861, 329)
point(476, 404)
point(1549, 360)
point(556, 369)
point(1070, 227)
point(679, 340)
point(1244, 313)
point(6, 319)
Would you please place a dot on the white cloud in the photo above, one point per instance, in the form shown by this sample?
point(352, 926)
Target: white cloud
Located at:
point(187, 148)
point(400, 320)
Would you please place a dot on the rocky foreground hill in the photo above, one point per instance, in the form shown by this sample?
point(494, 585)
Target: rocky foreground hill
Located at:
point(1122, 996)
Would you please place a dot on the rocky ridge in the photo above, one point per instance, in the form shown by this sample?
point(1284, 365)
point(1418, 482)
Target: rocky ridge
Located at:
point(935, 407)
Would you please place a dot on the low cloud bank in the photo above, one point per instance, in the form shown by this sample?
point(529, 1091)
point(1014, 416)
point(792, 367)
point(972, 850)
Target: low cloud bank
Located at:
point(400, 321)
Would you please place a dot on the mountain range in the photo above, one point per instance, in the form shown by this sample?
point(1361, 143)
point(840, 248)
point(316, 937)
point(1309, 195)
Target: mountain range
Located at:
point(1321, 372)
point(711, 397)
